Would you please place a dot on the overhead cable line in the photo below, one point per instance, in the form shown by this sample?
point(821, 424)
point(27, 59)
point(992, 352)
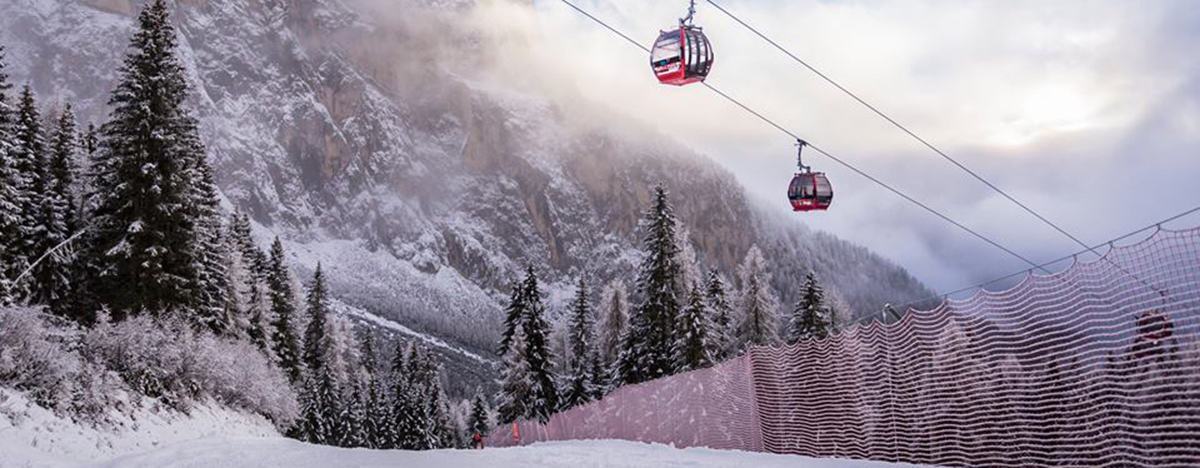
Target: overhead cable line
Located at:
point(925, 142)
point(903, 128)
point(793, 135)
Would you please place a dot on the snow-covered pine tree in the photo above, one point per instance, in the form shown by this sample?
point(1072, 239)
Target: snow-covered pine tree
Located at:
point(837, 309)
point(690, 273)
point(12, 255)
point(283, 308)
point(208, 250)
point(395, 382)
point(374, 415)
point(513, 315)
point(615, 311)
point(29, 153)
point(808, 319)
point(692, 348)
point(146, 239)
point(234, 312)
point(85, 272)
point(320, 406)
point(760, 307)
point(64, 166)
point(479, 421)
point(89, 144)
point(318, 311)
point(646, 353)
point(409, 407)
point(253, 283)
point(54, 277)
point(440, 422)
point(581, 358)
point(516, 382)
point(351, 429)
point(721, 336)
point(543, 399)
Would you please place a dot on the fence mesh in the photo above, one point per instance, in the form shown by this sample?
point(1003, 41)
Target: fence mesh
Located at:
point(1096, 366)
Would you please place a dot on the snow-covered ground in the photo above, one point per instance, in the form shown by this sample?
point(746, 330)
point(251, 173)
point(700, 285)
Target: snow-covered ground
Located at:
point(260, 453)
point(34, 437)
point(208, 437)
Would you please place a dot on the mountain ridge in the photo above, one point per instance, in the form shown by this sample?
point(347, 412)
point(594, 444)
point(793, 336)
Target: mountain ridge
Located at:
point(423, 186)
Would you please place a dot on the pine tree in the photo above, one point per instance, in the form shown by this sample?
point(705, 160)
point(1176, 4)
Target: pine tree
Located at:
point(646, 353)
point(233, 312)
point(55, 276)
point(29, 151)
point(612, 331)
point(90, 145)
point(320, 406)
point(690, 273)
point(374, 416)
point(283, 307)
point(516, 382)
point(581, 360)
point(85, 271)
point(209, 250)
point(721, 336)
point(253, 284)
point(760, 314)
point(13, 255)
point(317, 310)
point(808, 319)
point(479, 421)
point(352, 421)
point(407, 409)
point(513, 315)
point(147, 240)
point(440, 426)
point(692, 348)
point(544, 395)
point(64, 167)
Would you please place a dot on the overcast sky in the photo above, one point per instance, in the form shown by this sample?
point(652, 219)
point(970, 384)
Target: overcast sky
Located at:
point(1089, 111)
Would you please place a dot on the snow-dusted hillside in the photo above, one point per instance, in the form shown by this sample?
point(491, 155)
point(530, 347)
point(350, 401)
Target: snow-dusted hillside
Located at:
point(234, 453)
point(385, 146)
point(32, 436)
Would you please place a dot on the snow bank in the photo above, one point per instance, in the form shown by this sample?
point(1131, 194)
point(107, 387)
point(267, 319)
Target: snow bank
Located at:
point(32, 436)
point(244, 452)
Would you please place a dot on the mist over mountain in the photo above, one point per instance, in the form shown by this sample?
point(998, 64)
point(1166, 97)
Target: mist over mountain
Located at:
point(425, 151)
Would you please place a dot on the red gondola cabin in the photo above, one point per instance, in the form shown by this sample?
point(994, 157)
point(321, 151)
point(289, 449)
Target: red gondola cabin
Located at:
point(809, 191)
point(681, 56)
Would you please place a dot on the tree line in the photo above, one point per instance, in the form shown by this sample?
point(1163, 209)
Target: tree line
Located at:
point(123, 220)
point(682, 320)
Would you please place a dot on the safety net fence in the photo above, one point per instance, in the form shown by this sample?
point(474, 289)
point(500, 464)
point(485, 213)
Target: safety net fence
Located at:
point(1096, 366)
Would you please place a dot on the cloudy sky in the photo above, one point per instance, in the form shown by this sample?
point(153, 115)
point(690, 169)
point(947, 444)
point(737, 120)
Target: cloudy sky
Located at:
point(1089, 111)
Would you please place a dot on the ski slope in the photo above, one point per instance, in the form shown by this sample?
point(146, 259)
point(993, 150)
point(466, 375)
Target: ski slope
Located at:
point(277, 452)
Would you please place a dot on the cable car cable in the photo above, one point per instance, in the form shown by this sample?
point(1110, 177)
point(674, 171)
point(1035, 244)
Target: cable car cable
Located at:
point(872, 178)
point(903, 128)
point(927, 144)
point(818, 149)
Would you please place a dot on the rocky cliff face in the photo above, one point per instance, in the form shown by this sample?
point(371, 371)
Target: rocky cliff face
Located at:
point(354, 131)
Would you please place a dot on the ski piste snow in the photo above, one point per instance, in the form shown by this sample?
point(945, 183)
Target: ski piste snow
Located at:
point(257, 453)
point(34, 437)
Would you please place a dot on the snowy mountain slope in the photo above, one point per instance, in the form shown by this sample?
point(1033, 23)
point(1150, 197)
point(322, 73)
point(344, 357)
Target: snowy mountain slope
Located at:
point(233, 453)
point(386, 146)
point(32, 436)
